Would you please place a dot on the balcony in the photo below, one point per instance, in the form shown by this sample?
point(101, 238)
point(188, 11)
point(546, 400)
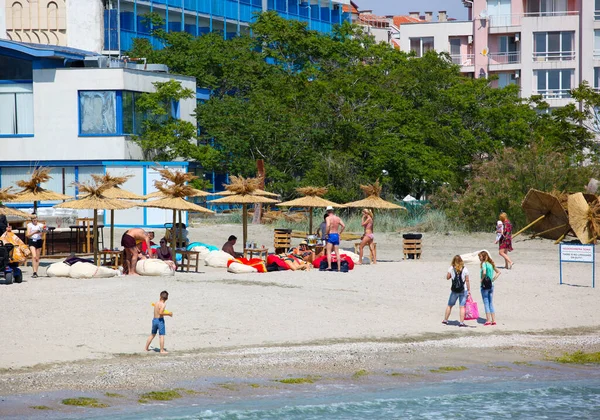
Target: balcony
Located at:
point(463, 59)
point(554, 93)
point(513, 57)
point(515, 19)
point(554, 56)
point(497, 21)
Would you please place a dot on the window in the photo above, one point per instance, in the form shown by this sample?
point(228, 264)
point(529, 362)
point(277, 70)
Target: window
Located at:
point(554, 84)
point(499, 12)
point(597, 78)
point(547, 7)
point(455, 51)
point(597, 10)
point(16, 103)
point(553, 46)
point(507, 50)
point(597, 44)
point(421, 45)
point(505, 79)
point(132, 118)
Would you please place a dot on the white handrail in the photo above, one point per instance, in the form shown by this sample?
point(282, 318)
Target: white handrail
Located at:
point(554, 56)
point(555, 93)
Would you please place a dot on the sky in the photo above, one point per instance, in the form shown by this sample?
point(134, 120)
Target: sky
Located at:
point(454, 8)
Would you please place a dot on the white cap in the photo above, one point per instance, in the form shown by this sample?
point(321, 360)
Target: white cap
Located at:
point(329, 208)
point(499, 222)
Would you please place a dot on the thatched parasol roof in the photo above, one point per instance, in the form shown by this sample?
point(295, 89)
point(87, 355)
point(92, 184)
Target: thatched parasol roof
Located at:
point(116, 191)
point(309, 201)
point(175, 203)
point(583, 218)
point(6, 195)
point(537, 204)
point(31, 190)
point(244, 199)
point(93, 199)
point(258, 191)
point(244, 186)
point(373, 200)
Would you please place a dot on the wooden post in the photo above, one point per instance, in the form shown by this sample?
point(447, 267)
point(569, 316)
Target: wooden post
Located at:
point(173, 238)
point(310, 220)
point(86, 222)
point(245, 223)
point(95, 237)
point(528, 226)
point(548, 230)
point(112, 230)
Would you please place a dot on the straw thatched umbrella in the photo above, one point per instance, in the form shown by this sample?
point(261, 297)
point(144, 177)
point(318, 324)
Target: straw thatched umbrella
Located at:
point(115, 192)
point(94, 199)
point(373, 200)
point(584, 218)
point(32, 191)
point(243, 193)
point(545, 214)
point(7, 195)
point(173, 192)
point(257, 191)
point(312, 198)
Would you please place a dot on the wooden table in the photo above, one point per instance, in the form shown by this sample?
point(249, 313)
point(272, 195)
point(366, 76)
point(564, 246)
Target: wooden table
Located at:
point(109, 258)
point(188, 255)
point(260, 253)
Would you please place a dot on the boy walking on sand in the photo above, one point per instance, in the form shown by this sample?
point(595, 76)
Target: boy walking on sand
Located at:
point(158, 322)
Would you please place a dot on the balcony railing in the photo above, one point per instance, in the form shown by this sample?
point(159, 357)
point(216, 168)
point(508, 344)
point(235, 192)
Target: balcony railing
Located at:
point(505, 57)
point(554, 56)
point(597, 15)
point(463, 59)
point(515, 19)
point(555, 93)
point(596, 54)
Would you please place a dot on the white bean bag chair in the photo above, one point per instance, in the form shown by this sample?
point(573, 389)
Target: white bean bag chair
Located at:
point(473, 257)
point(59, 269)
point(204, 251)
point(153, 267)
point(352, 256)
point(82, 270)
point(217, 259)
point(238, 268)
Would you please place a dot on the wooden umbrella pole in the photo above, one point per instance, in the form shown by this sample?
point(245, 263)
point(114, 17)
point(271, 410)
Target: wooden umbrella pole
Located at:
point(173, 234)
point(35, 207)
point(112, 230)
point(95, 236)
point(310, 220)
point(245, 223)
point(528, 226)
point(562, 236)
point(179, 227)
point(548, 230)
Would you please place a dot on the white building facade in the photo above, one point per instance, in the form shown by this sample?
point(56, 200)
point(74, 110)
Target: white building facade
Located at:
point(547, 47)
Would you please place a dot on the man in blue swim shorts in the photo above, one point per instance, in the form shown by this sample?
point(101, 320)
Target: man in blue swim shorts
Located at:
point(334, 229)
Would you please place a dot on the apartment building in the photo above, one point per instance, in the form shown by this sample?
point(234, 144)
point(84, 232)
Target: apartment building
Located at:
point(109, 26)
point(547, 47)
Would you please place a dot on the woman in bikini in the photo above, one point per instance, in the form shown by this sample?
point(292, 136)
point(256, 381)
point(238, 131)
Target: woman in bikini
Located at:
point(368, 237)
point(164, 253)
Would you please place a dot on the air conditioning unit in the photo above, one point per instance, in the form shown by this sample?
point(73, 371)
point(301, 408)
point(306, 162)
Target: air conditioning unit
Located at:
point(470, 39)
point(517, 37)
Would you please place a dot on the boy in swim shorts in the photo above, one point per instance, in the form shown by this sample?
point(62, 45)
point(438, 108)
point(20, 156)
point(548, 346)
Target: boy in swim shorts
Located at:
point(158, 322)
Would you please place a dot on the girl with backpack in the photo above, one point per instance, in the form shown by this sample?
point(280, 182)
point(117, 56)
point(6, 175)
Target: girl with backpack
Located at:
point(460, 289)
point(489, 273)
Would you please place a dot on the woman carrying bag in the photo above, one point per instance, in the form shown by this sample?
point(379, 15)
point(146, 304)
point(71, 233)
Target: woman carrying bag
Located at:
point(489, 273)
point(460, 289)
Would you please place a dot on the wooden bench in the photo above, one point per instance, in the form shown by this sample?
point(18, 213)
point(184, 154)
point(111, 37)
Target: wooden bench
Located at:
point(188, 255)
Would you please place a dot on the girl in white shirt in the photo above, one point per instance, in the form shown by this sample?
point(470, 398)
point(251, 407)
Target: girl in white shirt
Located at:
point(34, 240)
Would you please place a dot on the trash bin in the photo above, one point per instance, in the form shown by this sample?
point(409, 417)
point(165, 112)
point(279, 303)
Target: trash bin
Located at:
point(282, 240)
point(412, 245)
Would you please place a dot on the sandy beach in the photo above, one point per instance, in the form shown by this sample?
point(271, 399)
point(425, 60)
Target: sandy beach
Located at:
point(68, 334)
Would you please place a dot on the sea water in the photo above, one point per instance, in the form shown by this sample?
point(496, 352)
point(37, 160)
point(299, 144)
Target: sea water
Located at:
point(516, 400)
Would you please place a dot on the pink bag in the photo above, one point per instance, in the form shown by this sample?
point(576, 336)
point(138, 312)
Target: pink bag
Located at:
point(471, 310)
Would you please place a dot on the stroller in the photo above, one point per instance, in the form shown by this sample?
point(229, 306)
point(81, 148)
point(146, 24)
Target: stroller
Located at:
point(9, 271)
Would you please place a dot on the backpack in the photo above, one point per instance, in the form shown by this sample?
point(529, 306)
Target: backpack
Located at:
point(458, 284)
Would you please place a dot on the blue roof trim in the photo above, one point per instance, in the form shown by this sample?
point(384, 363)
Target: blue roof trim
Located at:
point(46, 51)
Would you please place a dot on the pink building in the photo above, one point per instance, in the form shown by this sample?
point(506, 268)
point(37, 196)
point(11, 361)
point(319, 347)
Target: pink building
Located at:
point(547, 47)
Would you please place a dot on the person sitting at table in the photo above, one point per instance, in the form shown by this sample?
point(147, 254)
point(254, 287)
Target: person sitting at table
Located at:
point(164, 253)
point(21, 251)
point(130, 239)
point(228, 247)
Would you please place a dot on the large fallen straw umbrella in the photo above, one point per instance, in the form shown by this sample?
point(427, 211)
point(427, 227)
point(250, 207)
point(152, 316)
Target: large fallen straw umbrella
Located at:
point(545, 215)
point(584, 218)
point(93, 199)
point(33, 192)
point(312, 199)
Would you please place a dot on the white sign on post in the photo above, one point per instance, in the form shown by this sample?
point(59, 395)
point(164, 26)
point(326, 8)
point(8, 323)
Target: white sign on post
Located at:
point(577, 253)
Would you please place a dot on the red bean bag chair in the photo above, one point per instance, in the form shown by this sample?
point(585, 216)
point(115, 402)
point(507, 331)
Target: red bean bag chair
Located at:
point(275, 259)
point(317, 261)
point(257, 263)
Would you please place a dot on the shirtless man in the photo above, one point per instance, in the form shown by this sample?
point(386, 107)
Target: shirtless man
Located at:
point(333, 236)
point(228, 247)
point(129, 241)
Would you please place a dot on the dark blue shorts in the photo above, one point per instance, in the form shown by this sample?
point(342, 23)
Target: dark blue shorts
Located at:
point(158, 324)
point(333, 238)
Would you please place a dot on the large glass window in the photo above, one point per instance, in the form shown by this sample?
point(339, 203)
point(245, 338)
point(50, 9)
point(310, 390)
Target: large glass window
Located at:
point(597, 10)
point(421, 45)
point(16, 109)
point(547, 7)
point(596, 78)
point(132, 118)
point(553, 46)
point(597, 43)
point(499, 12)
point(554, 84)
point(98, 112)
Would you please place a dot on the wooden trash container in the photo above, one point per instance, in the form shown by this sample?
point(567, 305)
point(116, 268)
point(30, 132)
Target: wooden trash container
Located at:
point(412, 246)
point(282, 240)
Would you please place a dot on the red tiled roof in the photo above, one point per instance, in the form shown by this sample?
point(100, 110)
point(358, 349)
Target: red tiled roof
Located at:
point(399, 20)
point(351, 8)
